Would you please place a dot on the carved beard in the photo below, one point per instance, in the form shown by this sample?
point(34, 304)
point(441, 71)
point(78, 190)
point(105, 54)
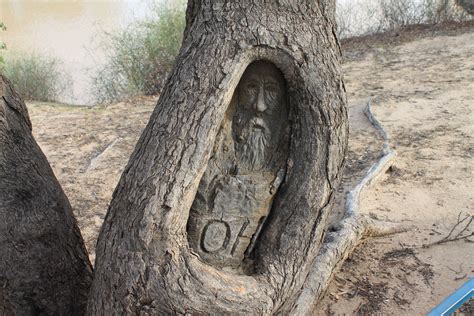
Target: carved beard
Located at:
point(253, 145)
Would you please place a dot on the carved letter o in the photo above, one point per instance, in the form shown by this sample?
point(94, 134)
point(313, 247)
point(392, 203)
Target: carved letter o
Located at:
point(215, 236)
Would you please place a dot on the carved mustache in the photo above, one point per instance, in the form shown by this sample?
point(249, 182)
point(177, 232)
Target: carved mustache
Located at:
point(258, 122)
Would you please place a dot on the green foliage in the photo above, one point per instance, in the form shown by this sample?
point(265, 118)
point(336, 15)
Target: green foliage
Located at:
point(36, 77)
point(140, 57)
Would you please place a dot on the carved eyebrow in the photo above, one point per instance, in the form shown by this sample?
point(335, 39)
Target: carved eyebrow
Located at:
point(272, 87)
point(271, 81)
point(252, 81)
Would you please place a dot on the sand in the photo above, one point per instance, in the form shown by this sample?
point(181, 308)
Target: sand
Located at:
point(423, 93)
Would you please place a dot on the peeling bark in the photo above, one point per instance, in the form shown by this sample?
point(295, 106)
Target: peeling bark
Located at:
point(144, 262)
point(44, 267)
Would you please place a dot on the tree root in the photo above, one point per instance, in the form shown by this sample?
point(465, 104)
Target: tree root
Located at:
point(341, 241)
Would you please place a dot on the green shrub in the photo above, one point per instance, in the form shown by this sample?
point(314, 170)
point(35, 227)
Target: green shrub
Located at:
point(140, 57)
point(36, 77)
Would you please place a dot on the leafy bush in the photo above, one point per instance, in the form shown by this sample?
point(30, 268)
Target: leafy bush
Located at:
point(361, 17)
point(140, 57)
point(399, 13)
point(36, 77)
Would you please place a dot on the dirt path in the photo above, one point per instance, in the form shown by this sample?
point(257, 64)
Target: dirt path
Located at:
point(422, 91)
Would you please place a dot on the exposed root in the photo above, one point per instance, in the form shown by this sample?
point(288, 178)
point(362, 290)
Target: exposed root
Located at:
point(378, 126)
point(377, 228)
point(343, 239)
point(378, 169)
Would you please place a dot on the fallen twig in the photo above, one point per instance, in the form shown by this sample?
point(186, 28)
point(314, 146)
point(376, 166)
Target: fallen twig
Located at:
point(459, 235)
point(461, 277)
point(95, 158)
point(457, 272)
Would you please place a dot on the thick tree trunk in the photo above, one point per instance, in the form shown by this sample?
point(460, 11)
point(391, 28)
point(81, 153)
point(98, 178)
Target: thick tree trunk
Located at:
point(44, 267)
point(148, 258)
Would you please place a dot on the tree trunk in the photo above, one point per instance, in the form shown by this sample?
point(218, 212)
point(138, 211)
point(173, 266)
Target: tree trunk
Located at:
point(205, 218)
point(44, 267)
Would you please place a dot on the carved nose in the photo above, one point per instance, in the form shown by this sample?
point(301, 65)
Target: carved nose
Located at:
point(261, 106)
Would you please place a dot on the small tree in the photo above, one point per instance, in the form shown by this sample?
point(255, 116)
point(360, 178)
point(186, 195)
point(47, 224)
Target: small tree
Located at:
point(237, 59)
point(224, 204)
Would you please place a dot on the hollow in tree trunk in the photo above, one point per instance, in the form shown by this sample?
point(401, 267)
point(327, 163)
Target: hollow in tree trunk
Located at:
point(224, 203)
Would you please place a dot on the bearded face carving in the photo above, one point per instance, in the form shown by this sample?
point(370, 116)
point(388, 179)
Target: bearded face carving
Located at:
point(259, 116)
point(246, 168)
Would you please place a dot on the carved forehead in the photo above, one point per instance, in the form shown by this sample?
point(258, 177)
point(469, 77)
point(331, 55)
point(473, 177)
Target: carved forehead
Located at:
point(262, 70)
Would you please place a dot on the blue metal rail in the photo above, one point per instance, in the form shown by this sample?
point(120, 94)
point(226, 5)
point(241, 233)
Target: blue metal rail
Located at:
point(455, 300)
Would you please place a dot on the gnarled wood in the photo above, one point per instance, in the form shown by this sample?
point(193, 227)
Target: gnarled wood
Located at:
point(145, 263)
point(44, 267)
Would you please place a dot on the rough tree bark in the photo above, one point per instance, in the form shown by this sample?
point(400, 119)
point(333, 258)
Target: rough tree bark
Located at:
point(44, 267)
point(145, 263)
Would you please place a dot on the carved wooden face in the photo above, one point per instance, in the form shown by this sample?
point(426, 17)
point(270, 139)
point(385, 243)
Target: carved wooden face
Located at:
point(260, 114)
point(260, 93)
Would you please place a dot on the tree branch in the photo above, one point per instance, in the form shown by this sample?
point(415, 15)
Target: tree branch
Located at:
point(459, 235)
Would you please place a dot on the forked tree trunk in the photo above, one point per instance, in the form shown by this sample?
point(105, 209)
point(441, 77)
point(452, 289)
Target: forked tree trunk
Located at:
point(203, 222)
point(44, 267)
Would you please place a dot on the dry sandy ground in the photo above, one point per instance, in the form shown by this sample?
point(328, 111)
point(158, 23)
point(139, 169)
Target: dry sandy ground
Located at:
point(88, 149)
point(422, 91)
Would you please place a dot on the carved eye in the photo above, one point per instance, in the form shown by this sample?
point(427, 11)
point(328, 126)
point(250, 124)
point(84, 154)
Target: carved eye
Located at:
point(271, 87)
point(271, 90)
point(252, 87)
